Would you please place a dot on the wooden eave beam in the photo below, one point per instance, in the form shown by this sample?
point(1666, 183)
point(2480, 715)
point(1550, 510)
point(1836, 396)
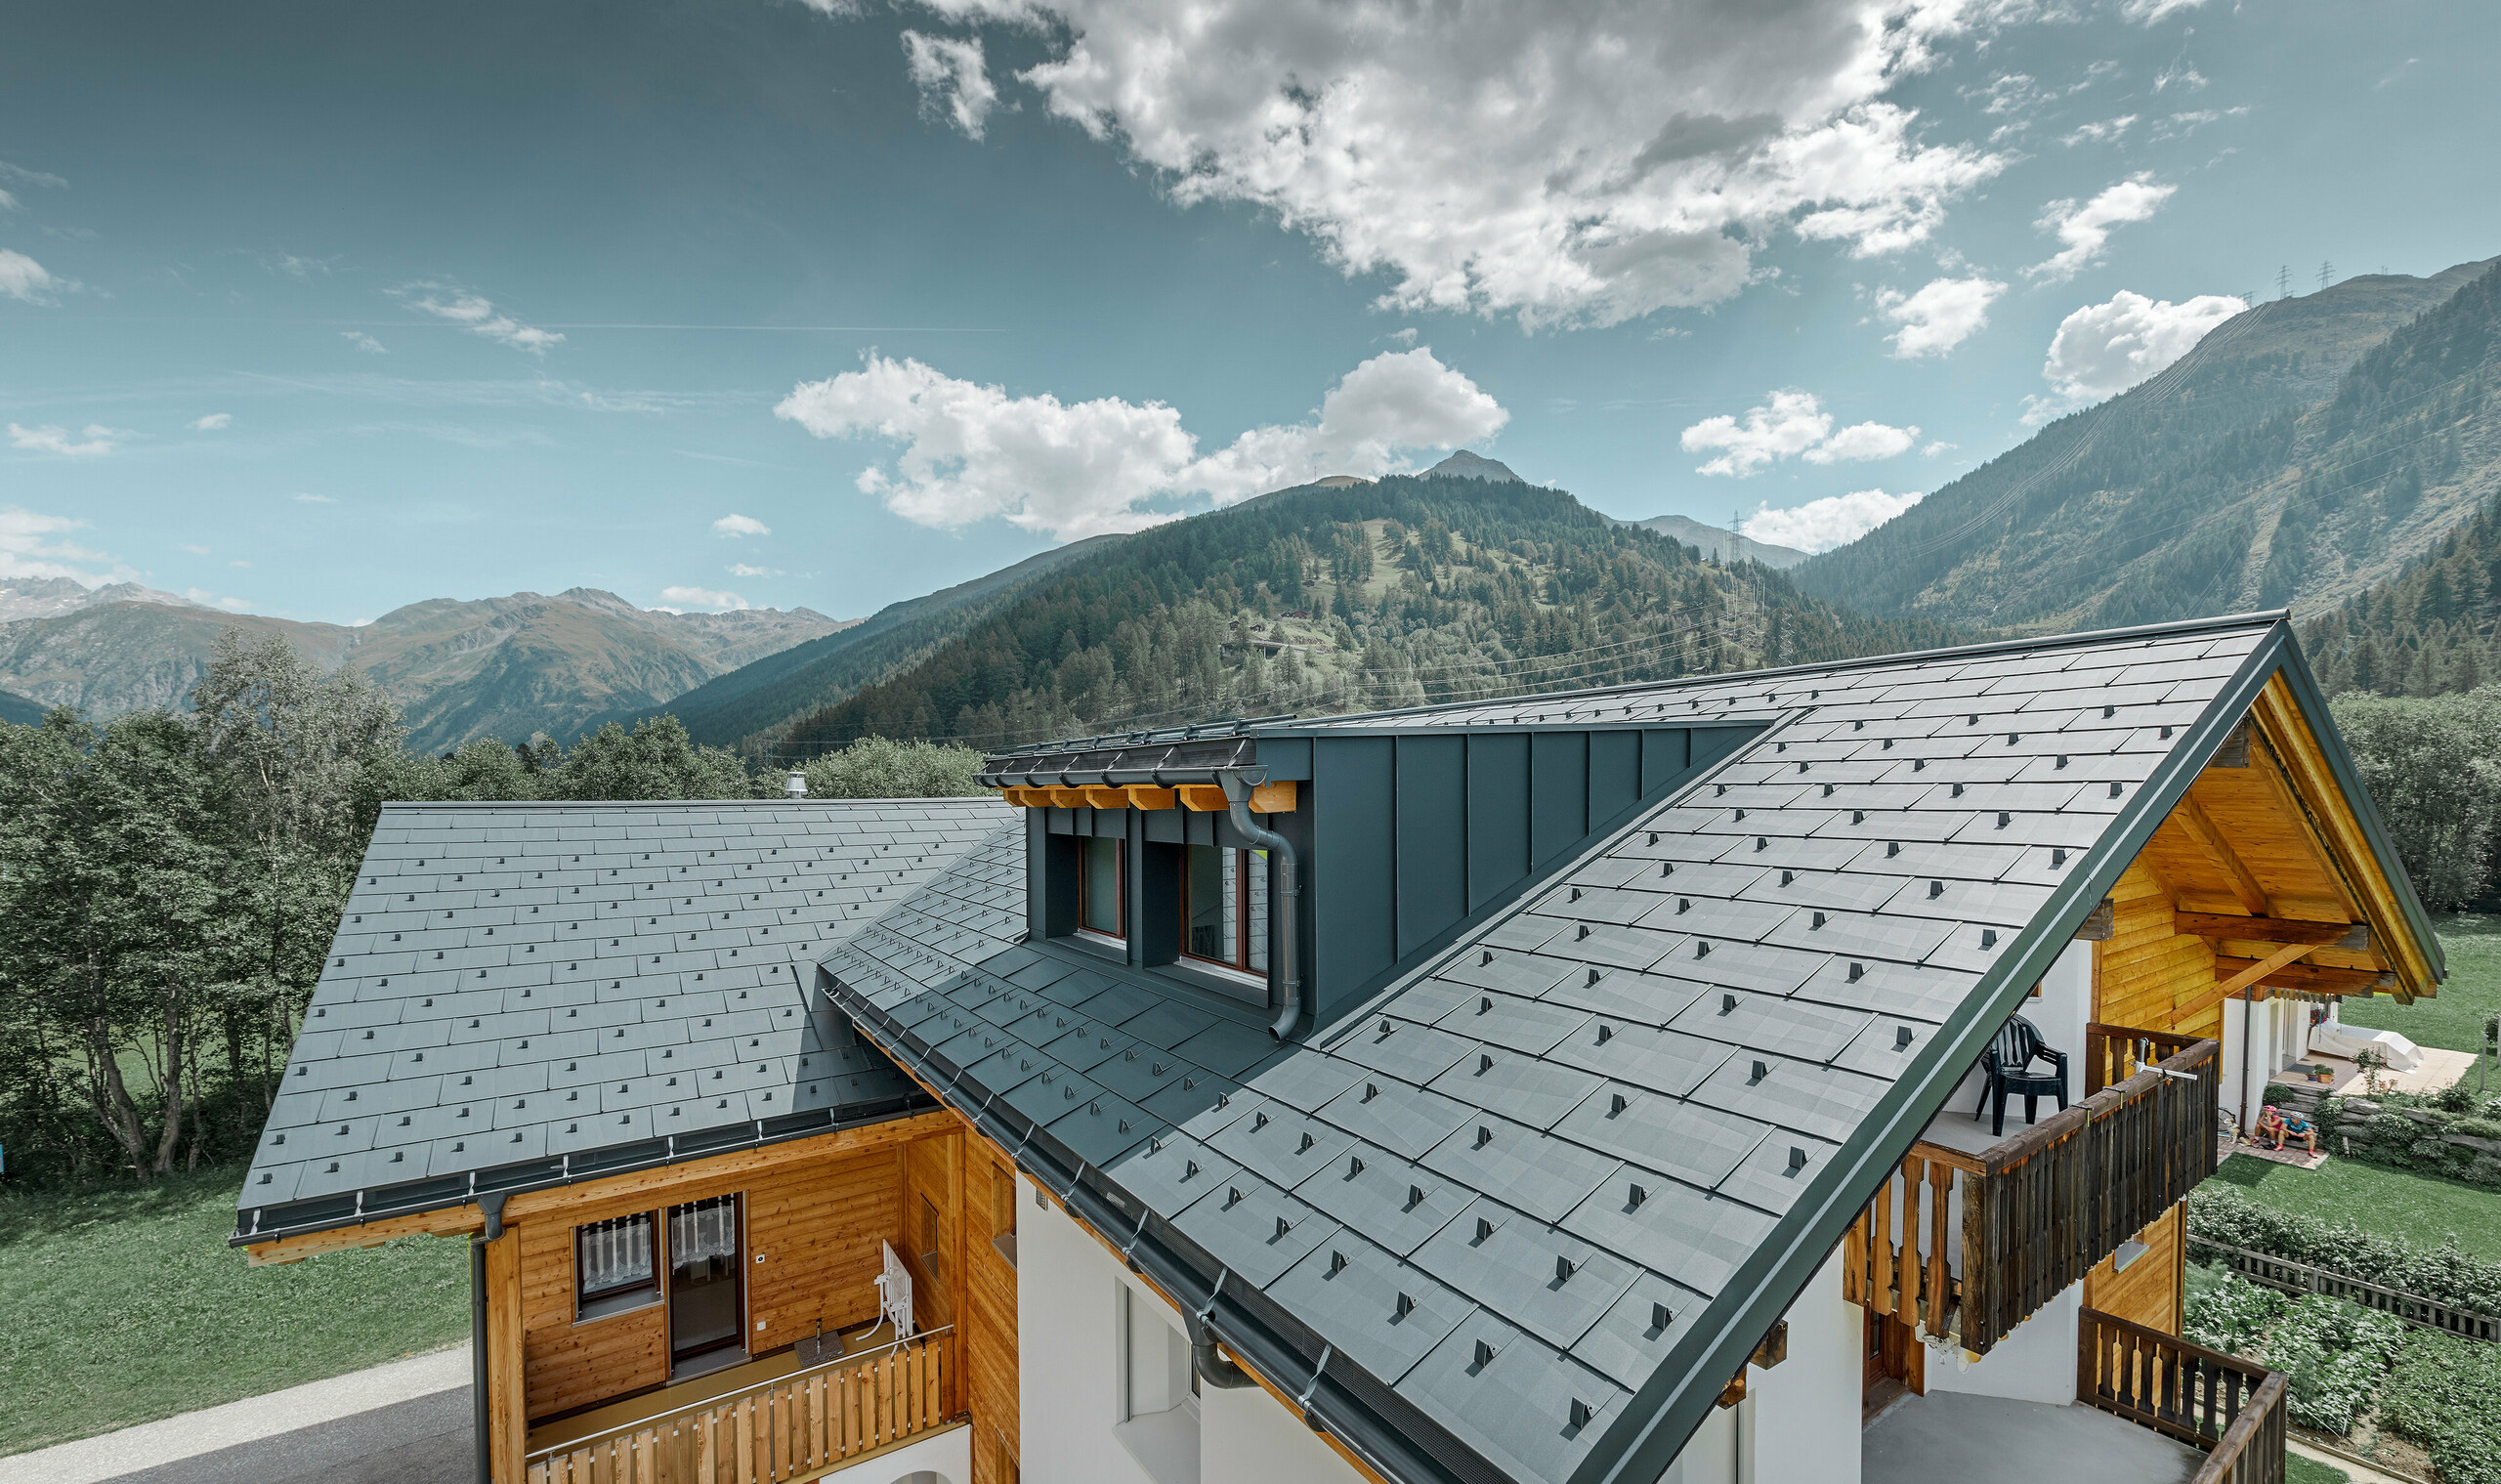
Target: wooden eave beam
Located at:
point(2351, 937)
point(2313, 977)
point(2200, 827)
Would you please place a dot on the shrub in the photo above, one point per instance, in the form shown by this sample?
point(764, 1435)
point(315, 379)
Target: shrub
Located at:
point(2453, 1099)
point(2477, 1128)
point(2228, 1312)
point(2444, 1274)
point(881, 768)
point(2441, 1395)
point(2333, 1354)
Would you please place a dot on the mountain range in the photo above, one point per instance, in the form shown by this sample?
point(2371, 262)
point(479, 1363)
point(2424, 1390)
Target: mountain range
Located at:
point(2330, 452)
point(502, 666)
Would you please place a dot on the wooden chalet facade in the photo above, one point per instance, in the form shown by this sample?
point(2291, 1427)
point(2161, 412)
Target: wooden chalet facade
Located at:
point(1562, 1090)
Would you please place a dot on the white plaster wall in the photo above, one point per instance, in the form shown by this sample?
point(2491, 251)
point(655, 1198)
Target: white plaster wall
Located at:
point(2034, 1363)
point(1712, 1454)
point(1802, 1414)
point(2062, 1011)
point(941, 1458)
point(1249, 1437)
point(1068, 1368)
point(2259, 1040)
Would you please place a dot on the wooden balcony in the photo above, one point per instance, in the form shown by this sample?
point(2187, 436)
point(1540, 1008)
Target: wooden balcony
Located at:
point(2233, 1408)
point(1972, 1244)
point(792, 1428)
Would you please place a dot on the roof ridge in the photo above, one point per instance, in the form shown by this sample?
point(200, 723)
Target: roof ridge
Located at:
point(2263, 617)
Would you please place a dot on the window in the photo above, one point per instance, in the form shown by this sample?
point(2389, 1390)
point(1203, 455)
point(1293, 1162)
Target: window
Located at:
point(1100, 872)
point(1158, 1420)
point(613, 1266)
point(1225, 907)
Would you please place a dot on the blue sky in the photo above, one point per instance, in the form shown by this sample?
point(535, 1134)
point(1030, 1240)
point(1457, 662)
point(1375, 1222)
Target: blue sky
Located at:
point(315, 311)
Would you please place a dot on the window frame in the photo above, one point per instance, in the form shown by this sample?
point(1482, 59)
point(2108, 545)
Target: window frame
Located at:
point(1119, 890)
point(1244, 935)
point(623, 1298)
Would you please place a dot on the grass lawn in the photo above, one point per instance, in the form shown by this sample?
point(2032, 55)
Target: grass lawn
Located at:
point(2301, 1471)
point(124, 1304)
point(2452, 1019)
point(2421, 1208)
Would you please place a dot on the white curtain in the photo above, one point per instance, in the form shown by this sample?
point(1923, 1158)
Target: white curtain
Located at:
point(703, 1231)
point(616, 1254)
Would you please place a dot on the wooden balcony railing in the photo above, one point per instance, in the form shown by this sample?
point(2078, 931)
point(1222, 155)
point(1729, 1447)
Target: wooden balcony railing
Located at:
point(793, 1426)
point(1972, 1245)
point(2233, 1408)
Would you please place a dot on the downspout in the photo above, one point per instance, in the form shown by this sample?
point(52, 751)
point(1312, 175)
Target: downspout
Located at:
point(1237, 795)
point(1211, 1365)
point(477, 1355)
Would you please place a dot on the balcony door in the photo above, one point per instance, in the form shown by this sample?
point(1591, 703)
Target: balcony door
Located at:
point(707, 1307)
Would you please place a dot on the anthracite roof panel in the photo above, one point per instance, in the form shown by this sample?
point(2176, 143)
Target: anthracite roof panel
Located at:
point(1648, 1063)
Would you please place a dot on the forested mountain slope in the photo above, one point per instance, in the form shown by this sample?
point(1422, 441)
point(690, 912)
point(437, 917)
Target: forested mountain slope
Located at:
point(1409, 591)
point(2428, 630)
point(2304, 449)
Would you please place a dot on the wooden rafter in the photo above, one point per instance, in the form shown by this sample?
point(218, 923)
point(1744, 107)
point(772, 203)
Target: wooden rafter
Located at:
point(2200, 827)
point(2351, 937)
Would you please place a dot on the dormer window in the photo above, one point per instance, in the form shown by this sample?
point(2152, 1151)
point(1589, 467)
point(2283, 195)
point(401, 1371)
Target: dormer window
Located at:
point(1101, 905)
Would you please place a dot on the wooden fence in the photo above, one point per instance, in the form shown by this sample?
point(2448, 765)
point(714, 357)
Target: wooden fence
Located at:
point(1974, 1243)
point(2292, 1277)
point(793, 1427)
point(2233, 1408)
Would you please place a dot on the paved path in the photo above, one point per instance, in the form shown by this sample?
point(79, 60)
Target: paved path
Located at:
point(406, 1423)
point(1950, 1435)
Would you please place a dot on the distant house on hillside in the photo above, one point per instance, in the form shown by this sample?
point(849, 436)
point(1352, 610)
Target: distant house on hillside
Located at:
point(1569, 1088)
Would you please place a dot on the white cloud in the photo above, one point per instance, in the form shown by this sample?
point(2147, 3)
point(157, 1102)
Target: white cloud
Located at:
point(364, 342)
point(1938, 449)
point(741, 570)
point(230, 605)
point(676, 600)
point(1567, 164)
point(2103, 349)
point(50, 438)
point(239, 561)
point(2086, 228)
point(2101, 132)
point(23, 278)
point(2147, 12)
point(197, 551)
point(29, 547)
point(1939, 317)
point(952, 78)
point(1822, 525)
point(19, 175)
point(318, 499)
point(476, 313)
point(1078, 469)
point(740, 525)
point(1862, 441)
point(1792, 424)
point(214, 422)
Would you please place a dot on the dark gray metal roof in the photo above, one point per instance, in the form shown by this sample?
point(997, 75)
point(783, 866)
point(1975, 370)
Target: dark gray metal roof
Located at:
point(529, 988)
point(1598, 1141)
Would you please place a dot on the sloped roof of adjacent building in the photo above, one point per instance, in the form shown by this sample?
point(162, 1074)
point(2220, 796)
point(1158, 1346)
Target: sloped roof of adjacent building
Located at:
point(524, 992)
point(1535, 1204)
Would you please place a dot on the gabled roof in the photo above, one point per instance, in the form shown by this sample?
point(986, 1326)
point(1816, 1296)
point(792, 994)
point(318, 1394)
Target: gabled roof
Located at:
point(523, 994)
point(1535, 1203)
